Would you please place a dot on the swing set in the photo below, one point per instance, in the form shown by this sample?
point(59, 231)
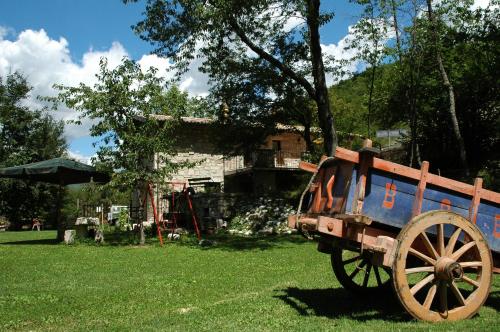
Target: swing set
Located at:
point(174, 200)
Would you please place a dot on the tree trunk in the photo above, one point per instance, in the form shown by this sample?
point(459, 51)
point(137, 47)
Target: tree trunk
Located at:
point(307, 121)
point(307, 138)
point(60, 226)
point(449, 86)
point(370, 97)
point(396, 28)
point(411, 91)
point(318, 70)
point(142, 237)
point(320, 91)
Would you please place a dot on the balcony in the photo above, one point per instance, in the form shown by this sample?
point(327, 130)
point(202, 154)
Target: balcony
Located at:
point(263, 159)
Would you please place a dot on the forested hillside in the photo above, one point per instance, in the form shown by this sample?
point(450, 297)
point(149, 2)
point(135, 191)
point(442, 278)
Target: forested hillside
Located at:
point(409, 92)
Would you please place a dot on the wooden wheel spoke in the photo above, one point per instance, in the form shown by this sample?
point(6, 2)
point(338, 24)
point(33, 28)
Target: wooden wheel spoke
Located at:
point(430, 297)
point(418, 286)
point(457, 293)
point(470, 281)
point(453, 240)
point(351, 260)
point(471, 264)
point(357, 269)
point(443, 297)
point(367, 275)
point(444, 274)
point(457, 254)
point(377, 275)
point(429, 246)
point(422, 256)
point(419, 269)
point(440, 239)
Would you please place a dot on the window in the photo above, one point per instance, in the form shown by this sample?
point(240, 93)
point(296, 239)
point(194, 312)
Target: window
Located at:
point(276, 145)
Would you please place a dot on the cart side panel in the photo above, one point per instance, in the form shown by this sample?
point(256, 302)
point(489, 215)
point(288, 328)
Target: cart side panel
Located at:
point(388, 200)
point(342, 186)
point(351, 190)
point(436, 198)
point(488, 221)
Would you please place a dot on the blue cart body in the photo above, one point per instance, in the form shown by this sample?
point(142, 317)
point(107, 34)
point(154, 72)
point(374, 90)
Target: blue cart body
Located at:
point(389, 200)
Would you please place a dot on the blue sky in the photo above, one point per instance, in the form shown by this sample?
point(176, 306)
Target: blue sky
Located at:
point(62, 40)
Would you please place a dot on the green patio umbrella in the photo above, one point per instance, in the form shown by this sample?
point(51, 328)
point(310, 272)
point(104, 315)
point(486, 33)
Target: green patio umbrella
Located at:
point(59, 171)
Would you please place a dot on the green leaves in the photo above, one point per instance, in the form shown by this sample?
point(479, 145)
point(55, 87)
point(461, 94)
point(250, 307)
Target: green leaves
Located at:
point(248, 49)
point(123, 104)
point(26, 136)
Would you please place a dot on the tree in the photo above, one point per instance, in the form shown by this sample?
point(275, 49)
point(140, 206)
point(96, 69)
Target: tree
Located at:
point(369, 36)
point(413, 90)
point(131, 141)
point(26, 136)
point(434, 26)
point(178, 102)
point(257, 32)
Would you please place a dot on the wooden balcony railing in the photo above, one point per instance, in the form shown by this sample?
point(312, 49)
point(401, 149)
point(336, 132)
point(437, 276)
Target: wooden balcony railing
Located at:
point(263, 159)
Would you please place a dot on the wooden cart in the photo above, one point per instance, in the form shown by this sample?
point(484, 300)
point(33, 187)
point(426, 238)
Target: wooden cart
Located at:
point(434, 240)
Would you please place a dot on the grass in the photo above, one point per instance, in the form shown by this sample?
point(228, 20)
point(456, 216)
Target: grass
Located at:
point(238, 284)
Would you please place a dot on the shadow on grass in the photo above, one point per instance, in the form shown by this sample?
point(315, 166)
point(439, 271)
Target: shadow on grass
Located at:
point(33, 242)
point(338, 302)
point(493, 300)
point(242, 243)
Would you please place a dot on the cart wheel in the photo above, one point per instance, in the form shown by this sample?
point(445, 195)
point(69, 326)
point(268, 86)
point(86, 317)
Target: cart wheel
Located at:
point(356, 272)
point(437, 279)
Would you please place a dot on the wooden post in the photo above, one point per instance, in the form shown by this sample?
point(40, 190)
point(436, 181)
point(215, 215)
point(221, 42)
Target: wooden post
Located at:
point(419, 194)
point(366, 155)
point(476, 199)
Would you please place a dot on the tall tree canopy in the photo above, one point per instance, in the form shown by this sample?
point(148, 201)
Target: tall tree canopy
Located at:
point(411, 90)
point(242, 41)
point(122, 105)
point(131, 141)
point(26, 136)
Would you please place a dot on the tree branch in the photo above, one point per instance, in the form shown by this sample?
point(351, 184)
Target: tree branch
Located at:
point(272, 60)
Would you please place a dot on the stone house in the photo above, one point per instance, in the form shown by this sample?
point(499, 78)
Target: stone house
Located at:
point(267, 170)
point(261, 171)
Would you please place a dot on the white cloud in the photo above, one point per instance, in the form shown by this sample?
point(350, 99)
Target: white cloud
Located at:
point(340, 52)
point(161, 64)
point(344, 55)
point(46, 61)
point(193, 81)
point(480, 4)
point(4, 31)
point(76, 155)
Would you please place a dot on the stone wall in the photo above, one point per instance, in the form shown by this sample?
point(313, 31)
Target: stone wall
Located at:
point(195, 144)
point(208, 165)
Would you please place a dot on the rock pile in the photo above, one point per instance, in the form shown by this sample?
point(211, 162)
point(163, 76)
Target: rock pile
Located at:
point(264, 216)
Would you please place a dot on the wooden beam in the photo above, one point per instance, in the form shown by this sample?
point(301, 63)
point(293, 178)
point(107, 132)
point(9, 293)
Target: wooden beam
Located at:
point(329, 193)
point(419, 195)
point(476, 199)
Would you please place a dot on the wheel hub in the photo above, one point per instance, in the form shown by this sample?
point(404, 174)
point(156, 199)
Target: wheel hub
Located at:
point(448, 269)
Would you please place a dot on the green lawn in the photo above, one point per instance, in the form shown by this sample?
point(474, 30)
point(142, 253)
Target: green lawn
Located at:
point(243, 284)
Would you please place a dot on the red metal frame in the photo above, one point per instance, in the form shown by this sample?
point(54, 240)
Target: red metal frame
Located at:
point(155, 213)
point(190, 205)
